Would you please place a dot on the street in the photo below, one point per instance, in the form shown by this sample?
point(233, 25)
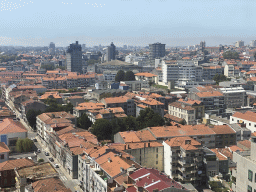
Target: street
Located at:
point(63, 175)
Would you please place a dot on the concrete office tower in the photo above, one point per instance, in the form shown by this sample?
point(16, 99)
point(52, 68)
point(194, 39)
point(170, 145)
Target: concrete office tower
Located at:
point(157, 50)
point(239, 44)
point(74, 58)
point(111, 52)
point(202, 45)
point(253, 43)
point(52, 48)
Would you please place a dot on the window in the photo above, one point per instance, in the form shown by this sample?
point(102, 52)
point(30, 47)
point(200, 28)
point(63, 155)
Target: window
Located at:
point(2, 156)
point(156, 155)
point(249, 188)
point(249, 124)
point(250, 175)
point(156, 162)
point(255, 178)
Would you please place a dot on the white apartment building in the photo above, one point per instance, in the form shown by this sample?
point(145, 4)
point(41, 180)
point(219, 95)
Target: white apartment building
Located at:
point(248, 119)
point(181, 71)
point(183, 111)
point(109, 75)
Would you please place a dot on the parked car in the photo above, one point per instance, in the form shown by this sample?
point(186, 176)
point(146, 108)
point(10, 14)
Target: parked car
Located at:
point(46, 153)
point(56, 166)
point(51, 159)
point(35, 140)
point(38, 151)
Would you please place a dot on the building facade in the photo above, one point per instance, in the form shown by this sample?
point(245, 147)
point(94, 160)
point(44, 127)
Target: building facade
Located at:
point(74, 58)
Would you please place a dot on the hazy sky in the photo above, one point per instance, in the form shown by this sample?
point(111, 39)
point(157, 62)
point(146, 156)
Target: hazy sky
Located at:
point(137, 22)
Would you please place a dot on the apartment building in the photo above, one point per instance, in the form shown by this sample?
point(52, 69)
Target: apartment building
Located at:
point(234, 97)
point(225, 136)
point(108, 113)
point(109, 75)
point(136, 85)
point(184, 160)
point(124, 102)
point(196, 104)
point(212, 100)
point(134, 137)
point(85, 107)
point(45, 121)
point(145, 76)
point(152, 180)
point(147, 154)
point(182, 111)
point(153, 104)
point(210, 71)
point(245, 172)
point(248, 119)
point(180, 71)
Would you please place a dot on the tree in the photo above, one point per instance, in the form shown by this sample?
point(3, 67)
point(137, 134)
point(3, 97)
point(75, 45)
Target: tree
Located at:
point(219, 78)
point(31, 117)
point(24, 145)
point(40, 160)
point(230, 55)
point(129, 76)
point(27, 145)
point(84, 122)
point(102, 129)
point(19, 147)
point(130, 123)
point(148, 118)
point(120, 76)
point(69, 108)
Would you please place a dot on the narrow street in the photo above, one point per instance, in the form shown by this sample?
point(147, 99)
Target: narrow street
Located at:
point(63, 175)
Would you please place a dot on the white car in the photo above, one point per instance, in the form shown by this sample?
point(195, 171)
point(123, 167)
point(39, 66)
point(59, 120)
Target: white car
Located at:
point(56, 166)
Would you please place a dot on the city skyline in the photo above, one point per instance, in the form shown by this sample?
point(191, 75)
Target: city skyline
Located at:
point(31, 23)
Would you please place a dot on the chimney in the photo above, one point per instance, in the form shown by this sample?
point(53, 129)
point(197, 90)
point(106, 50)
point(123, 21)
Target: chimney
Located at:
point(187, 142)
point(109, 160)
point(121, 169)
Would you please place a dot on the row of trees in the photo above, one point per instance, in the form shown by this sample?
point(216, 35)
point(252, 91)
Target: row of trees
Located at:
point(124, 76)
point(105, 129)
point(6, 58)
point(24, 145)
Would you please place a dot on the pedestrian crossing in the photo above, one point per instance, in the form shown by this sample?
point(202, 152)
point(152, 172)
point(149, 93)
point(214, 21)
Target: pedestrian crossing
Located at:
point(63, 178)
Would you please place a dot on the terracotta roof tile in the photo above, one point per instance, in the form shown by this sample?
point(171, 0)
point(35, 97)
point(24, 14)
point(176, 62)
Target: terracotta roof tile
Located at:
point(9, 126)
point(17, 163)
point(248, 115)
point(223, 129)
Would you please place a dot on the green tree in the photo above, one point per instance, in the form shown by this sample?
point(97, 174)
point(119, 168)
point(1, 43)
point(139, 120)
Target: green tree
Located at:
point(84, 122)
point(19, 146)
point(31, 117)
point(230, 55)
point(148, 118)
point(69, 108)
point(130, 123)
point(40, 160)
point(24, 145)
point(129, 76)
point(120, 76)
point(27, 145)
point(219, 78)
point(102, 128)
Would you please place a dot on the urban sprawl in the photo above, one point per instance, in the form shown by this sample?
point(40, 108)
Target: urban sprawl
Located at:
point(128, 119)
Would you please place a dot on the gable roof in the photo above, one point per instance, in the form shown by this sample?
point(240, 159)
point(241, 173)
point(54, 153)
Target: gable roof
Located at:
point(248, 115)
point(10, 126)
point(50, 184)
point(17, 163)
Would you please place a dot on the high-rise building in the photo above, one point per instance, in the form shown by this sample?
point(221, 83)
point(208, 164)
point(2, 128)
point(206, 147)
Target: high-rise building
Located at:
point(52, 48)
point(253, 43)
point(83, 47)
point(74, 58)
point(202, 45)
point(157, 50)
point(239, 44)
point(111, 52)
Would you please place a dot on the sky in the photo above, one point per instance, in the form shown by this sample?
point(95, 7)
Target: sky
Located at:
point(130, 22)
